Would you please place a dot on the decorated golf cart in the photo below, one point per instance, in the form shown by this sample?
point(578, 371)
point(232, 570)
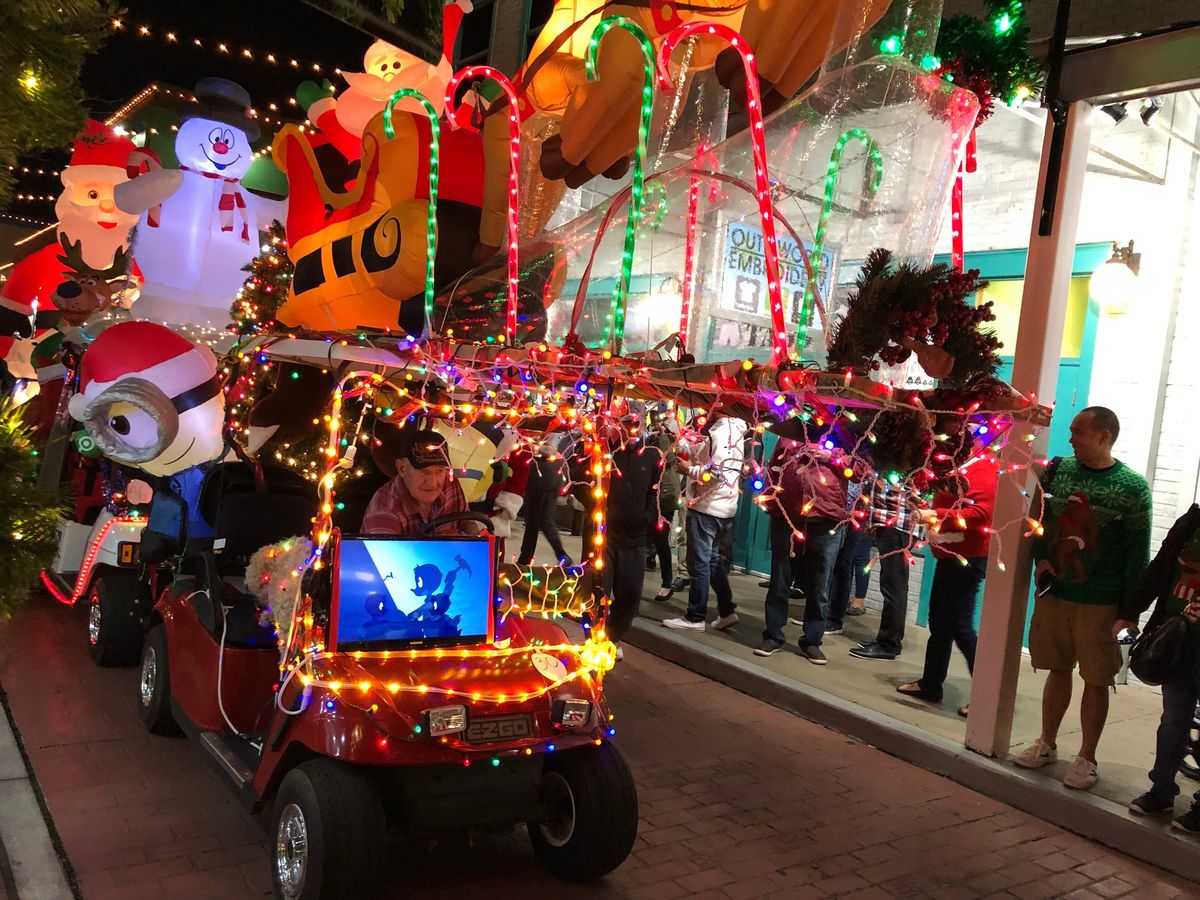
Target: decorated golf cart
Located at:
point(349, 680)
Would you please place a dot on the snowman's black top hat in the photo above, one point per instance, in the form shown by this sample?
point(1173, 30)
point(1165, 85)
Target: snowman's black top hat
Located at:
point(224, 101)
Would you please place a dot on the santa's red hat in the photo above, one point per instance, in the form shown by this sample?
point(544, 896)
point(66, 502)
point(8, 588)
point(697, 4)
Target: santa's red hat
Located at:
point(96, 152)
point(144, 350)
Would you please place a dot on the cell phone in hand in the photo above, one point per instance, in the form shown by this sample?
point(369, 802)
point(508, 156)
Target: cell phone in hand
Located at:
point(1045, 581)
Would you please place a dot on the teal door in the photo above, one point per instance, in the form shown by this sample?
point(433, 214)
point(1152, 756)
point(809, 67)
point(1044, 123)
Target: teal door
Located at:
point(751, 528)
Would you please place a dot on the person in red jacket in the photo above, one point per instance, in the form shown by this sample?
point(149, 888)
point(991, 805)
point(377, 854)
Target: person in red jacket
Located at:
point(959, 534)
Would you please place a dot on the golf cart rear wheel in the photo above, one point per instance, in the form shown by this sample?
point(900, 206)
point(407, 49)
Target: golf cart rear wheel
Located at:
point(154, 684)
point(328, 834)
point(114, 629)
point(591, 814)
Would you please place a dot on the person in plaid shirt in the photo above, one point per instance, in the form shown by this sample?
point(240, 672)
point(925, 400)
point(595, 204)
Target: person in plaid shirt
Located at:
point(893, 524)
point(421, 491)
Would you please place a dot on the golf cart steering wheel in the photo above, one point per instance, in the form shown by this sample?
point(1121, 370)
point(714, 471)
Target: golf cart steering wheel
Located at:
point(450, 518)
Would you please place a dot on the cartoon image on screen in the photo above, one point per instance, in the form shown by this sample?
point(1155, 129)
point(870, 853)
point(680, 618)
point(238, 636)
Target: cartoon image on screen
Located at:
point(413, 590)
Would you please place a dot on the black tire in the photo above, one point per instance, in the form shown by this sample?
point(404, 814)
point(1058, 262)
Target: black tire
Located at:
point(328, 834)
point(154, 684)
point(1191, 759)
point(114, 619)
point(592, 814)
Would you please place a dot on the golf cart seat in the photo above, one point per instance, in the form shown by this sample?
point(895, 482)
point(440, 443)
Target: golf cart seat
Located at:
point(249, 510)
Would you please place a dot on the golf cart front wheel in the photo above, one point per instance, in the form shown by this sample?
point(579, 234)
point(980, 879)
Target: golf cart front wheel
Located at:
point(114, 629)
point(590, 816)
point(329, 833)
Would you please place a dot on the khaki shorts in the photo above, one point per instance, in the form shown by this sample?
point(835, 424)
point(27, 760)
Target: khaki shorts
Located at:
point(1063, 633)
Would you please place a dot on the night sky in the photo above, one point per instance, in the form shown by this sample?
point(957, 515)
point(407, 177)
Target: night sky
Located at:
point(128, 62)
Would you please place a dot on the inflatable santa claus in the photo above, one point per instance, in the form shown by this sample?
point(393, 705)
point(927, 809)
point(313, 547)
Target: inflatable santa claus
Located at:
point(107, 186)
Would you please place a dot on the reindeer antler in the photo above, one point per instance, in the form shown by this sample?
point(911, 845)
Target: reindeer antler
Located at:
point(120, 265)
point(73, 255)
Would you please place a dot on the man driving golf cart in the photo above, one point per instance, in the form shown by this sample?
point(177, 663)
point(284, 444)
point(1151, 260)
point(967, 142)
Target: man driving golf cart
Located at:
point(421, 491)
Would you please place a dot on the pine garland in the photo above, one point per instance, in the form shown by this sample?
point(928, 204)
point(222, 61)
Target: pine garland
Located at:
point(29, 516)
point(894, 307)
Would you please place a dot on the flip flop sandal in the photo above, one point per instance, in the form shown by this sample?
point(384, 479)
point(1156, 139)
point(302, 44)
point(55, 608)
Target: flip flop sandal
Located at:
point(919, 693)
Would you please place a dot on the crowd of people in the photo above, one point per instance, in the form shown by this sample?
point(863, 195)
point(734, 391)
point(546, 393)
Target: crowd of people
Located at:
point(1094, 579)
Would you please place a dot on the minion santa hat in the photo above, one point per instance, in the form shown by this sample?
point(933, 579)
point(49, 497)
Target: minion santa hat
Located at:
point(151, 398)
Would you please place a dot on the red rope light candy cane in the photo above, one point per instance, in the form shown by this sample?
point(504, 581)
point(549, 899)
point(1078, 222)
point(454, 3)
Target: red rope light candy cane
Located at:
point(957, 243)
point(779, 352)
point(689, 256)
point(514, 173)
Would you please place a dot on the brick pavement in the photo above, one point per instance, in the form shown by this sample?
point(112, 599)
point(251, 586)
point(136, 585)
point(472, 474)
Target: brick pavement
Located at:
point(738, 800)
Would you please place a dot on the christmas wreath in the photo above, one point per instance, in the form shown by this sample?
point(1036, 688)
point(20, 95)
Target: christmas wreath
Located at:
point(989, 56)
point(896, 311)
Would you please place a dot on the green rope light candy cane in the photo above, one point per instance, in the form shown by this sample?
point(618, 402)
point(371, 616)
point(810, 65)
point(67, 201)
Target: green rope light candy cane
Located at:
point(431, 215)
point(874, 177)
point(614, 327)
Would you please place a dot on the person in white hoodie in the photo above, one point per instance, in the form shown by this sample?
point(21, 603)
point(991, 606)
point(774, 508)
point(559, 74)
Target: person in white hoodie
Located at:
point(711, 461)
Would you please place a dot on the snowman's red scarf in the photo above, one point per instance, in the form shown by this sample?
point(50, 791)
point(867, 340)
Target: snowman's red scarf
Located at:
point(231, 199)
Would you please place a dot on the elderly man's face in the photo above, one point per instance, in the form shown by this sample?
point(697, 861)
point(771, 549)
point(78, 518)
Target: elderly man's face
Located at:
point(425, 485)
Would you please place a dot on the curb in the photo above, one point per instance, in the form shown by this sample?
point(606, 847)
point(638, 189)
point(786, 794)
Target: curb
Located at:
point(1084, 814)
point(32, 863)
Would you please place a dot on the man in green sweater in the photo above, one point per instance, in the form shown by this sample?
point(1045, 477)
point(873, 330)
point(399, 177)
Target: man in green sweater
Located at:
point(1095, 547)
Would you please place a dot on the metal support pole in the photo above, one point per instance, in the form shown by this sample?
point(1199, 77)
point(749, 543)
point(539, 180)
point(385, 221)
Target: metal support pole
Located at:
point(1035, 370)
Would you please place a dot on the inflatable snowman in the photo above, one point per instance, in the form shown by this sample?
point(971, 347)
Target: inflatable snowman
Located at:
point(210, 228)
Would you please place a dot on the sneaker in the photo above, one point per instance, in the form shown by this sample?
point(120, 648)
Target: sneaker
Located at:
point(838, 630)
point(681, 584)
point(1189, 821)
point(813, 654)
point(768, 648)
point(1035, 755)
point(1081, 774)
point(795, 593)
point(724, 623)
point(1150, 805)
point(870, 643)
point(799, 623)
point(681, 624)
point(620, 652)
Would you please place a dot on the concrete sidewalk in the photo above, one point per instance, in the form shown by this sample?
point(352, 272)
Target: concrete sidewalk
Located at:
point(30, 867)
point(738, 800)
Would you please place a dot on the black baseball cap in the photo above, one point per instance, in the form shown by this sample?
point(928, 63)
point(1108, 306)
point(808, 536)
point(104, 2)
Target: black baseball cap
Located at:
point(424, 448)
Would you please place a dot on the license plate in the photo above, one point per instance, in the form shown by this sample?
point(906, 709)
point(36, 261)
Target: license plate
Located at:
point(127, 552)
point(499, 728)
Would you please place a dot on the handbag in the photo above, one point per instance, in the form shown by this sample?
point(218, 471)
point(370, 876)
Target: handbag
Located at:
point(1158, 652)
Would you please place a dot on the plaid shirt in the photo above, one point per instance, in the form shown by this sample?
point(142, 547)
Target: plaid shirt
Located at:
point(892, 507)
point(393, 510)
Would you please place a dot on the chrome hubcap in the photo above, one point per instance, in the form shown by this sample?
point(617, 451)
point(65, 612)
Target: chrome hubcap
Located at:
point(291, 851)
point(94, 621)
point(149, 675)
point(560, 807)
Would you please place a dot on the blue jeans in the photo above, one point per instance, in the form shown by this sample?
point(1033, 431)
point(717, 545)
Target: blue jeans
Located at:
point(1179, 695)
point(820, 550)
point(707, 537)
point(951, 618)
point(850, 569)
